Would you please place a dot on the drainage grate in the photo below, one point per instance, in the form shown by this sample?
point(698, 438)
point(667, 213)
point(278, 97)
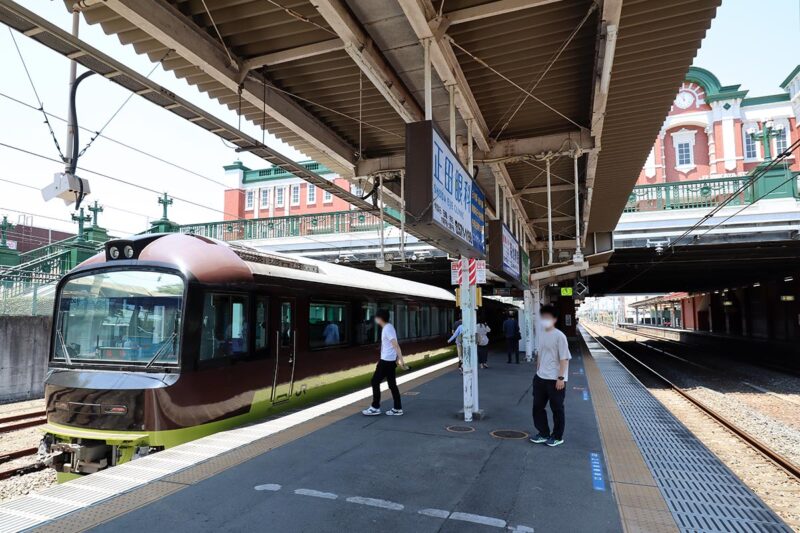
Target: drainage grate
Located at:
point(460, 429)
point(508, 434)
point(702, 493)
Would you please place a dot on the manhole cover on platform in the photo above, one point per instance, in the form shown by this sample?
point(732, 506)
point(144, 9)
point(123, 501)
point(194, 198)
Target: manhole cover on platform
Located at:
point(460, 429)
point(508, 434)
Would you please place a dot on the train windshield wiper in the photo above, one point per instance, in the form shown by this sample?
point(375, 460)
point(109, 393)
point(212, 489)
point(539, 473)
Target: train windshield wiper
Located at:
point(64, 351)
point(160, 350)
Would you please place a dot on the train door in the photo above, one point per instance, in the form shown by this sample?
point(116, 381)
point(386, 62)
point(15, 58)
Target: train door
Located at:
point(285, 349)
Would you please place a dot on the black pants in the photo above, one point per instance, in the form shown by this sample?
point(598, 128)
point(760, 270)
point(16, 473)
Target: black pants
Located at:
point(544, 391)
point(385, 370)
point(483, 354)
point(512, 348)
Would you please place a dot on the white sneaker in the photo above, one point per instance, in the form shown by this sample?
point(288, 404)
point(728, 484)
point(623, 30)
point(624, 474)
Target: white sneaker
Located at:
point(394, 412)
point(371, 411)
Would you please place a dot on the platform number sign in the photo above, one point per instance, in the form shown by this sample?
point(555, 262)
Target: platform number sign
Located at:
point(477, 271)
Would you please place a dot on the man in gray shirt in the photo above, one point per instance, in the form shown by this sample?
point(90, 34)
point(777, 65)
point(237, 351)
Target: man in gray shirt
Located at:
point(549, 383)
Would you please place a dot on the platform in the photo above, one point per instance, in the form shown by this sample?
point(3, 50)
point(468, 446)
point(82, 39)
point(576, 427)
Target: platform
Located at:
point(328, 468)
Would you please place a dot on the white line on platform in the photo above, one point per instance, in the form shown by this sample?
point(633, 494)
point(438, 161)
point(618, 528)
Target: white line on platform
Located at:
point(375, 502)
point(478, 519)
point(316, 494)
point(269, 486)
point(436, 513)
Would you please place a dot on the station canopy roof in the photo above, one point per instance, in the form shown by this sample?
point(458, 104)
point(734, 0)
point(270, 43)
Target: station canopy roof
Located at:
point(338, 80)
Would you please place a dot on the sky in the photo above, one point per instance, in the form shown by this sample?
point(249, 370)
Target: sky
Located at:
point(753, 47)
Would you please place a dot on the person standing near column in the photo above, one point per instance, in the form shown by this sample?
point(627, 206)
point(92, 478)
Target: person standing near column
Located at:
point(391, 357)
point(511, 333)
point(549, 383)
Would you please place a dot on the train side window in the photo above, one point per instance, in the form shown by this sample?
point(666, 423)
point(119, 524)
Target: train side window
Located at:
point(413, 321)
point(434, 313)
point(260, 327)
point(328, 324)
point(401, 323)
point(425, 321)
point(366, 329)
point(225, 326)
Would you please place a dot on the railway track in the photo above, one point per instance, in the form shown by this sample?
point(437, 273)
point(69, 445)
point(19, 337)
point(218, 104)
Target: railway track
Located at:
point(22, 421)
point(778, 459)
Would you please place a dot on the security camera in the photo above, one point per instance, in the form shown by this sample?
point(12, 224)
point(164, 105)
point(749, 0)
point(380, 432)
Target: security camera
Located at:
point(66, 186)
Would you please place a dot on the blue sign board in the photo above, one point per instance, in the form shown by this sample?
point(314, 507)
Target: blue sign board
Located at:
point(478, 214)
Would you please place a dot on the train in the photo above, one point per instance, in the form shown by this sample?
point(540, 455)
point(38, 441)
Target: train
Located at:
point(164, 338)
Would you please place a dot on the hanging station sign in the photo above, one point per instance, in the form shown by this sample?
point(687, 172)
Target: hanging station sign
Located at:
point(443, 202)
point(525, 274)
point(504, 252)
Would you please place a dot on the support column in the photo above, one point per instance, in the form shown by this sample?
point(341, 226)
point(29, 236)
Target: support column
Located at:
point(529, 324)
point(469, 349)
point(549, 217)
point(426, 46)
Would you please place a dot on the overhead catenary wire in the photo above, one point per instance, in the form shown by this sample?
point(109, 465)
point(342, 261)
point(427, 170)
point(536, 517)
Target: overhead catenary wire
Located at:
point(119, 180)
point(36, 93)
point(47, 217)
point(120, 143)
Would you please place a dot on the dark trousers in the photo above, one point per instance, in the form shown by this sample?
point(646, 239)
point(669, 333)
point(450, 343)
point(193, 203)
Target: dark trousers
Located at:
point(483, 354)
point(385, 370)
point(544, 391)
point(512, 348)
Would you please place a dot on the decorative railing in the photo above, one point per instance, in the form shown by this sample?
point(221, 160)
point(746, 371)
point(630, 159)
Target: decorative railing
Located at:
point(689, 194)
point(290, 226)
point(47, 249)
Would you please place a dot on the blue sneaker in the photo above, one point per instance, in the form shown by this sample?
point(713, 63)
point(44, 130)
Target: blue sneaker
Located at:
point(554, 442)
point(538, 439)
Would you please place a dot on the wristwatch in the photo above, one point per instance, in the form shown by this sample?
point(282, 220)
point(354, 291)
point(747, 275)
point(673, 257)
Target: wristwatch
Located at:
point(560, 378)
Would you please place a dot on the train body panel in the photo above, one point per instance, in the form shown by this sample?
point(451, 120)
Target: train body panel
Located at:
point(165, 339)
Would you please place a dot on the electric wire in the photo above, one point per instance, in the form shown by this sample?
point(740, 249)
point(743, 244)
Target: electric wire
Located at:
point(113, 116)
point(36, 93)
point(47, 217)
point(756, 175)
point(294, 14)
point(513, 83)
point(221, 40)
point(547, 68)
point(119, 180)
point(120, 143)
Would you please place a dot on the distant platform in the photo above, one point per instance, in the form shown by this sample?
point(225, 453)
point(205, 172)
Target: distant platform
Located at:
point(328, 468)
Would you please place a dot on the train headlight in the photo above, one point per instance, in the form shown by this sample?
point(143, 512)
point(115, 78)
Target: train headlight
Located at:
point(114, 252)
point(128, 250)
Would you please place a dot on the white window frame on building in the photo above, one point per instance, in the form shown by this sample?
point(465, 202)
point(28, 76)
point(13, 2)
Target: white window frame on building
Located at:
point(311, 194)
point(264, 198)
point(747, 138)
point(280, 197)
point(684, 137)
point(786, 136)
point(249, 200)
point(327, 197)
point(294, 195)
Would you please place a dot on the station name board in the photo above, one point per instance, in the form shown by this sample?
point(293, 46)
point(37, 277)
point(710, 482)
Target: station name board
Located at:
point(443, 202)
point(504, 253)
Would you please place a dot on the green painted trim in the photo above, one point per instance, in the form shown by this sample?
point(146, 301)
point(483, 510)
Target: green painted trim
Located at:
point(705, 78)
point(726, 96)
point(768, 99)
point(309, 391)
point(236, 165)
point(275, 173)
point(790, 77)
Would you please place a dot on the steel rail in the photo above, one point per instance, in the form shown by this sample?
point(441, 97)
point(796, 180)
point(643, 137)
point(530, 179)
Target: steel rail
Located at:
point(22, 421)
point(22, 470)
point(785, 464)
point(10, 456)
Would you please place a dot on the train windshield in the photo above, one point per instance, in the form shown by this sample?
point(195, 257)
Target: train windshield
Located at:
point(127, 317)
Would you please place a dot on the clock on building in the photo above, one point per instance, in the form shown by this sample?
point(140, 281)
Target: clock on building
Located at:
point(684, 99)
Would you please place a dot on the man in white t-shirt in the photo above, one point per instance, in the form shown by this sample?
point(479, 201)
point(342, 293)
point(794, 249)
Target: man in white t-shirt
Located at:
point(550, 381)
point(391, 357)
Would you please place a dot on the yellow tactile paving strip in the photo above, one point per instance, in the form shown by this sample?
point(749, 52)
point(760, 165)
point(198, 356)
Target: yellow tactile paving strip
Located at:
point(95, 515)
point(641, 505)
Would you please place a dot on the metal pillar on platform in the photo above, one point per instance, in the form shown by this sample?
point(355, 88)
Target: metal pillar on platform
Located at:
point(469, 348)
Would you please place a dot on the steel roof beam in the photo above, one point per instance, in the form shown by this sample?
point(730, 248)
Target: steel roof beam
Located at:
point(171, 28)
point(519, 148)
point(365, 54)
point(421, 16)
point(543, 189)
point(492, 9)
point(291, 54)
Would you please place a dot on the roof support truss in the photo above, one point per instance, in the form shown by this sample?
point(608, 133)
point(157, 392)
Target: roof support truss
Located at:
point(291, 54)
point(492, 9)
point(170, 27)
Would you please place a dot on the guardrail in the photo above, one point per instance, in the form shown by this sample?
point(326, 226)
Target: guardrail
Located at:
point(289, 226)
point(689, 194)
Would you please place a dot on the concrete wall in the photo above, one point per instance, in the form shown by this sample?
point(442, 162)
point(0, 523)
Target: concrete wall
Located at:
point(24, 341)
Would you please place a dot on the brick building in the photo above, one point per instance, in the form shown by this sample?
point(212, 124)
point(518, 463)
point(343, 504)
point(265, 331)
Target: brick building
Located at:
point(273, 192)
point(706, 134)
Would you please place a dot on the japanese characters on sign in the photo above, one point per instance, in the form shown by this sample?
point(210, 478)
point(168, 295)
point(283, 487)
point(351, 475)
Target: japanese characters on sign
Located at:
point(452, 191)
point(510, 254)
